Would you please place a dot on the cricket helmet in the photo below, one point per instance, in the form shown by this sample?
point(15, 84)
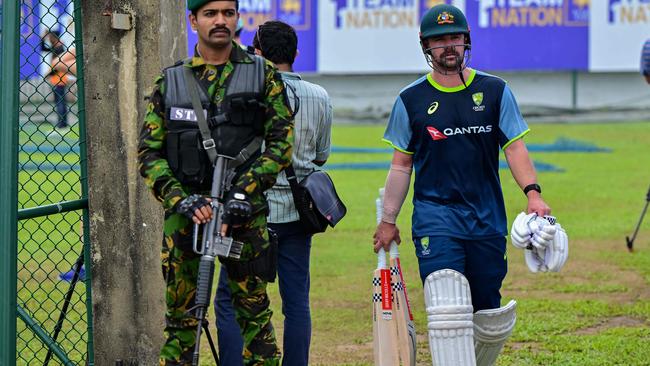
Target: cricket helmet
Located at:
point(440, 20)
point(443, 19)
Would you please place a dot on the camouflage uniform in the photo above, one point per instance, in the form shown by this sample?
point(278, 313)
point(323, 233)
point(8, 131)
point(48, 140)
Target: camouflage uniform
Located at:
point(179, 262)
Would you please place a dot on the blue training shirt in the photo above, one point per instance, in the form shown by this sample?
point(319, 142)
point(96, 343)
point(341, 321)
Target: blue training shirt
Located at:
point(454, 135)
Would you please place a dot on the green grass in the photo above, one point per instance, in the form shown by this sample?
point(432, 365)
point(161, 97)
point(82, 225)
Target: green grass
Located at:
point(598, 199)
point(595, 312)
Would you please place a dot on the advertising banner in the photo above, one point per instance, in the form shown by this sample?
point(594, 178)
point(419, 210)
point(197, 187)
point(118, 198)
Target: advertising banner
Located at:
point(371, 36)
point(618, 29)
point(529, 34)
point(300, 14)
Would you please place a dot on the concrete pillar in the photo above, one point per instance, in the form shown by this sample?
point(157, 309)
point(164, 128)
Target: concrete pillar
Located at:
point(125, 220)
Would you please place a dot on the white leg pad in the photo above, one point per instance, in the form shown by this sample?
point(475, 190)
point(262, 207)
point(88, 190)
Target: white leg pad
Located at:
point(449, 308)
point(492, 328)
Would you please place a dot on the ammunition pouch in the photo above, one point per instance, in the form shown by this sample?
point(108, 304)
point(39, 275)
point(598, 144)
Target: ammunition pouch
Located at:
point(186, 157)
point(264, 266)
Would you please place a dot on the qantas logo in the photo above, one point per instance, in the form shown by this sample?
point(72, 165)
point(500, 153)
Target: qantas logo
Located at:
point(435, 134)
point(447, 132)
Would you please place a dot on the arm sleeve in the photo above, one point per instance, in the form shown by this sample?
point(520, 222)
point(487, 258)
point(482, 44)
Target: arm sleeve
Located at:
point(396, 188)
point(278, 141)
point(511, 122)
point(398, 133)
point(152, 158)
point(323, 143)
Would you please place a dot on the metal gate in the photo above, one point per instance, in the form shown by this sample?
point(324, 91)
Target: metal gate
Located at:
point(46, 195)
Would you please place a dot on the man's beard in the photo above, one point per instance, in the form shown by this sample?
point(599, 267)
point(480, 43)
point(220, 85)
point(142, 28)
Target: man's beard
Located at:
point(449, 66)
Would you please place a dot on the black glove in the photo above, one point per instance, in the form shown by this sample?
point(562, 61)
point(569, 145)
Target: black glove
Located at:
point(190, 204)
point(237, 207)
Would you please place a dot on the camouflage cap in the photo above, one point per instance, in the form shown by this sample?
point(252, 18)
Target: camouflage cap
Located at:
point(193, 5)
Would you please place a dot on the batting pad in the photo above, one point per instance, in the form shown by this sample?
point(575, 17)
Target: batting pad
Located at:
point(492, 328)
point(449, 308)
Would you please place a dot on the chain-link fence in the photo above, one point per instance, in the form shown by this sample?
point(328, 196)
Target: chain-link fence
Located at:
point(53, 288)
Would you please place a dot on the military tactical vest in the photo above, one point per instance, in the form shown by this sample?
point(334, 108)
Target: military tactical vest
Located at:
point(233, 123)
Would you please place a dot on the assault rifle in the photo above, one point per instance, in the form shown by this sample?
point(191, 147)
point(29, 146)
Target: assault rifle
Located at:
point(213, 244)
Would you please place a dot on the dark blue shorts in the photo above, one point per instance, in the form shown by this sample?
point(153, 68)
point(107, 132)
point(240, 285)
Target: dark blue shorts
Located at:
point(483, 262)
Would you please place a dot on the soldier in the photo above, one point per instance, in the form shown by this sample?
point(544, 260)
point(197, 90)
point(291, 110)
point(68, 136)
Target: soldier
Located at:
point(177, 170)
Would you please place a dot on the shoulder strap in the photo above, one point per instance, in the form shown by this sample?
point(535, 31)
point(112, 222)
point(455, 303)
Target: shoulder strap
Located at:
point(208, 142)
point(294, 94)
point(293, 183)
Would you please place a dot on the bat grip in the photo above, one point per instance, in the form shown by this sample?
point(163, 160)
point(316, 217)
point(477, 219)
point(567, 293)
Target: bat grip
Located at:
point(394, 251)
point(381, 259)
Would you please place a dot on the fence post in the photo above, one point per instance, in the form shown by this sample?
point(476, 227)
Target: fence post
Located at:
point(8, 180)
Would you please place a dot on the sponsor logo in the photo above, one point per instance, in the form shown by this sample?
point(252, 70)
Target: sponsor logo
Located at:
point(445, 18)
point(471, 130)
point(297, 13)
point(433, 108)
point(533, 13)
point(435, 134)
point(629, 11)
point(377, 14)
point(478, 99)
point(448, 132)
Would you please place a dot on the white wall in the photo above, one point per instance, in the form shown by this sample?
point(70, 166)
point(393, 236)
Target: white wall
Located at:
point(371, 97)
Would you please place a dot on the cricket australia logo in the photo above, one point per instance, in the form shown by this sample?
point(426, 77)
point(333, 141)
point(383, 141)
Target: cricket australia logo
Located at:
point(433, 108)
point(445, 18)
point(478, 101)
point(425, 245)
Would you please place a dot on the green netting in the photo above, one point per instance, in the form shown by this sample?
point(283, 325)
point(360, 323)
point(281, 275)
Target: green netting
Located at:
point(53, 320)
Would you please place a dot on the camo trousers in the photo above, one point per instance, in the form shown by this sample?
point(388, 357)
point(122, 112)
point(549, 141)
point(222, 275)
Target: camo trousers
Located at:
point(180, 267)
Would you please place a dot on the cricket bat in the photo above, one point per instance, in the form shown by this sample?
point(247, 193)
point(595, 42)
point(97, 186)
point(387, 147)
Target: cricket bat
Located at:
point(406, 341)
point(384, 327)
point(403, 316)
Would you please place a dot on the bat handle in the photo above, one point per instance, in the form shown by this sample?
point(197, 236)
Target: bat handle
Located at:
point(394, 251)
point(381, 259)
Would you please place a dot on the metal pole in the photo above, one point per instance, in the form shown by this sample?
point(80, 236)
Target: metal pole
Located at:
point(9, 179)
point(83, 155)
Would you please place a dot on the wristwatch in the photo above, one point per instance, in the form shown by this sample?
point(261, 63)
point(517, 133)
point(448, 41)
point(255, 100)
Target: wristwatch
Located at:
point(532, 187)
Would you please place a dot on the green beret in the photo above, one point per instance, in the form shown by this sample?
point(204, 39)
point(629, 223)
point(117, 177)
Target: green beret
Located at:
point(193, 5)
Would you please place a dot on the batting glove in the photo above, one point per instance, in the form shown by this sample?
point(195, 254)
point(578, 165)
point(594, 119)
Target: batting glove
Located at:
point(520, 233)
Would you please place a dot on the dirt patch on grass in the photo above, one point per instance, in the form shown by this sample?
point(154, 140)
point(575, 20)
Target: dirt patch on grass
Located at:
point(586, 276)
point(615, 322)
